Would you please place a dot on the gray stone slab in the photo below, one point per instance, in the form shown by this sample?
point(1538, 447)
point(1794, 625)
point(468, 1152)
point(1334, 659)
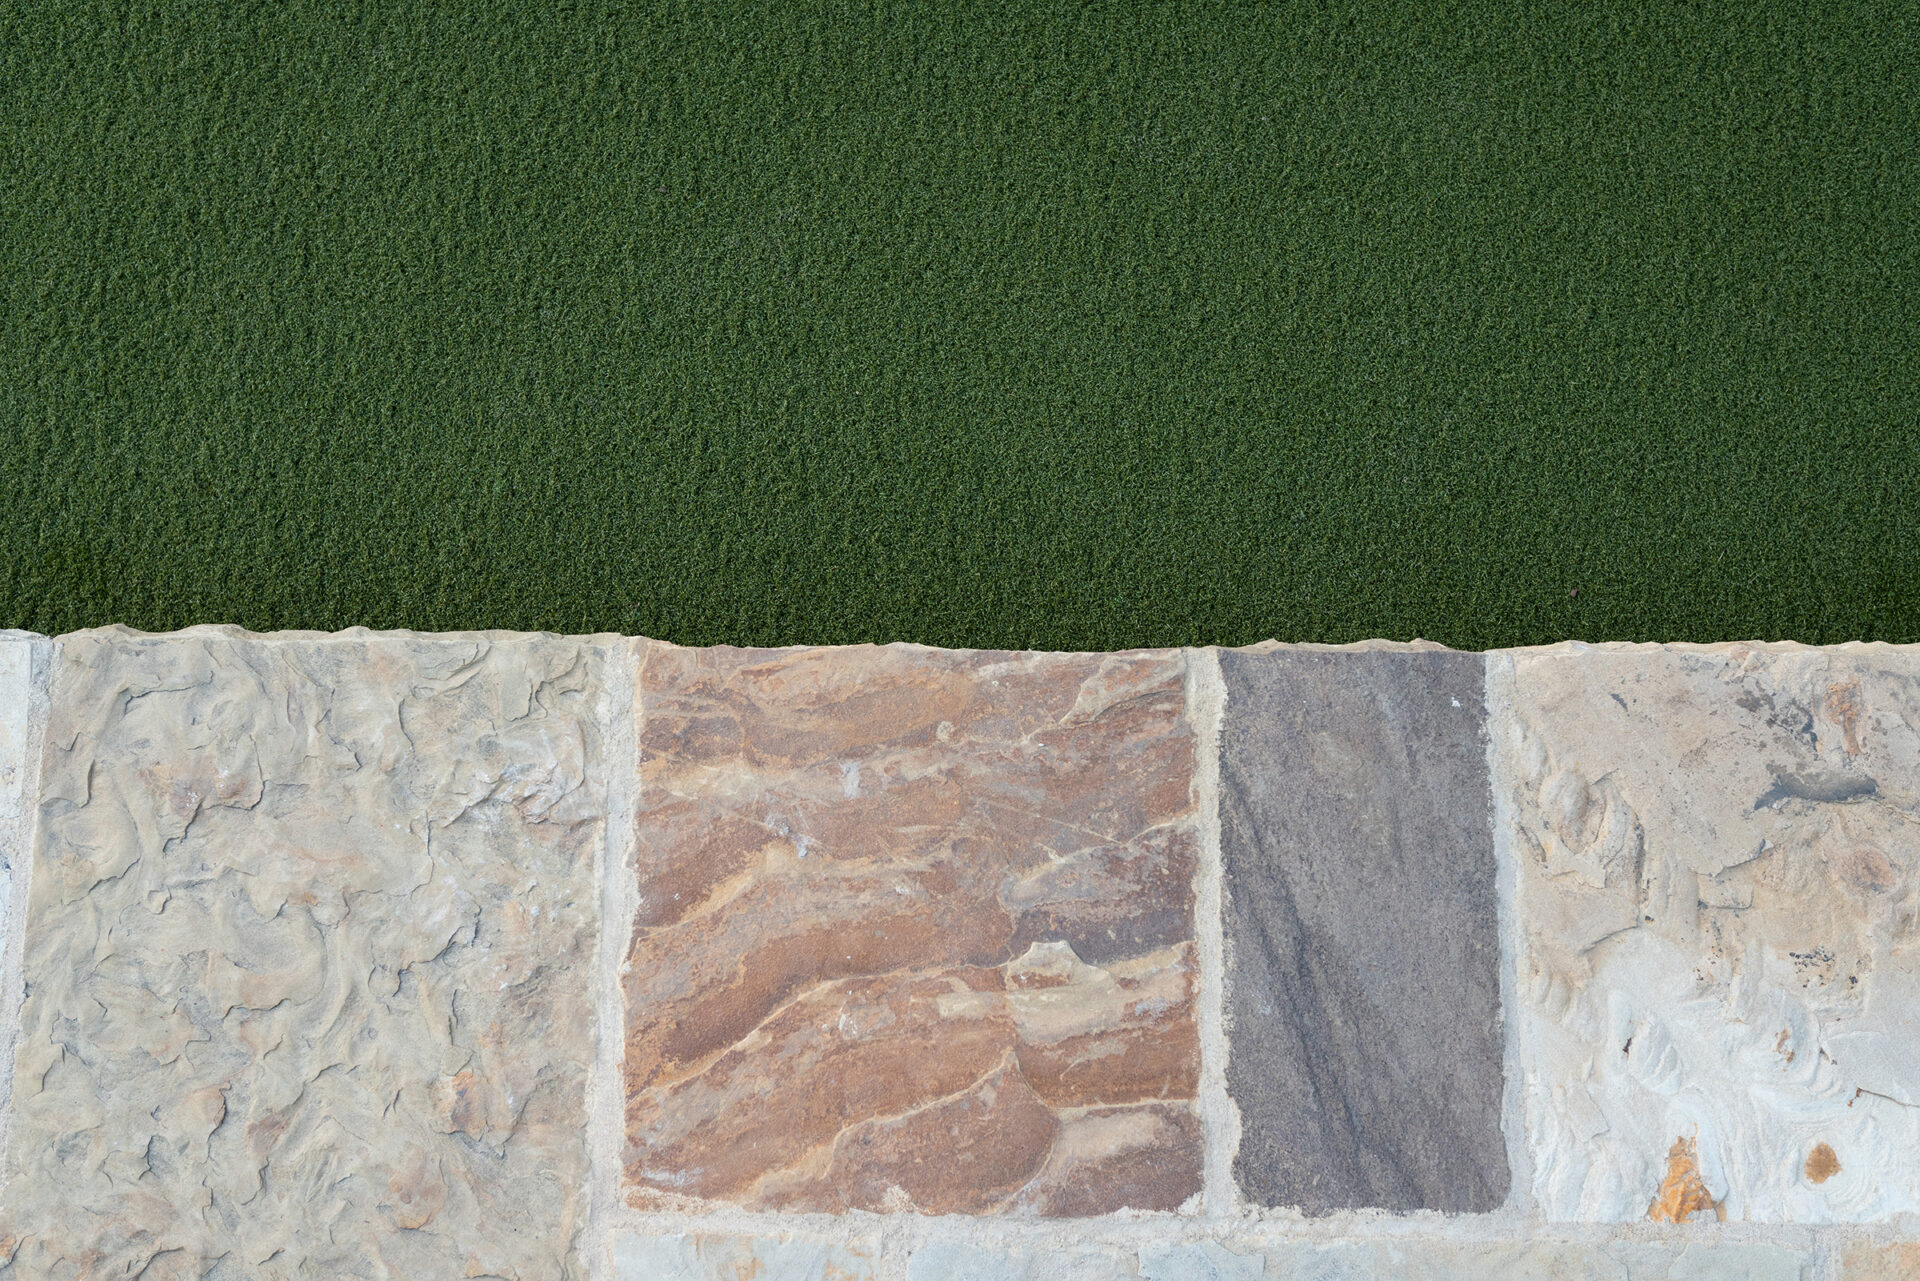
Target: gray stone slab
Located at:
point(308, 958)
point(1362, 930)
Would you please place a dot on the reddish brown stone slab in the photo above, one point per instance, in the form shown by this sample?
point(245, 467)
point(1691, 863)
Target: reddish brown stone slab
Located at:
point(915, 932)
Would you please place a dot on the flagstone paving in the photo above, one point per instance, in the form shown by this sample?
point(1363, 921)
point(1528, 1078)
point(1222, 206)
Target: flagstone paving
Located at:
point(380, 955)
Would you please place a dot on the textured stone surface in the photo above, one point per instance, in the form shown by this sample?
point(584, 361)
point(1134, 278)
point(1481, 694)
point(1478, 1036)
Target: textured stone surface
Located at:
point(711, 1257)
point(1403, 1259)
point(308, 961)
point(1715, 855)
point(971, 1261)
point(1898, 1261)
point(1536, 1261)
point(1362, 930)
point(21, 654)
point(915, 932)
point(16, 670)
point(16, 677)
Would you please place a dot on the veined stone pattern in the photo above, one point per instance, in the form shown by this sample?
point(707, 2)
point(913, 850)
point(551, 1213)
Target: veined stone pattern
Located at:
point(915, 932)
point(1715, 854)
point(308, 960)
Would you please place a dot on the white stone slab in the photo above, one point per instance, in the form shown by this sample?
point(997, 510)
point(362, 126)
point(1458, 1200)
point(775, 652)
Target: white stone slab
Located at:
point(1714, 854)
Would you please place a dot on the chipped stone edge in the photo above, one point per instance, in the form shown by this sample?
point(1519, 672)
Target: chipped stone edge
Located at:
point(22, 833)
point(1219, 1116)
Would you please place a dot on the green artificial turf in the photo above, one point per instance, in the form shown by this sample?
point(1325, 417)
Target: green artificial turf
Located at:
point(986, 324)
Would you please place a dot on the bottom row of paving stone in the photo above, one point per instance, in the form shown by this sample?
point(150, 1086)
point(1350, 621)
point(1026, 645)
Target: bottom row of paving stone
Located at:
point(304, 954)
point(1406, 1259)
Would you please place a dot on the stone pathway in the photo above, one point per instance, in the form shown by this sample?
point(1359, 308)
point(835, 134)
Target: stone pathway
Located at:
point(492, 955)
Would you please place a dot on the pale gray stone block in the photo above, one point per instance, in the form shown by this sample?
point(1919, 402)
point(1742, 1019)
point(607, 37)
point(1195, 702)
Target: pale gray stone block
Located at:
point(1400, 1259)
point(1716, 862)
point(1362, 930)
point(20, 653)
point(1514, 1260)
point(717, 1257)
point(1202, 1261)
point(966, 1261)
point(24, 658)
point(308, 959)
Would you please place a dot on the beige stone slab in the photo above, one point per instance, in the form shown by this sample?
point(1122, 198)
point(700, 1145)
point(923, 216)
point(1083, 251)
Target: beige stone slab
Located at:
point(1714, 854)
point(308, 960)
point(1880, 1261)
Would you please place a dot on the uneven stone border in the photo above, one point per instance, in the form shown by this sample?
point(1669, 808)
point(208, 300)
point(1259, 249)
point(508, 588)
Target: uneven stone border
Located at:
point(388, 954)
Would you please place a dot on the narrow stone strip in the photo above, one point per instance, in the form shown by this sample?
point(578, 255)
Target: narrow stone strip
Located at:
point(617, 715)
point(1362, 927)
point(25, 662)
point(1206, 706)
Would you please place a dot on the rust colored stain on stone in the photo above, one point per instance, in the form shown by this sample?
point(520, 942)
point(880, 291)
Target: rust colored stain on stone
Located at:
point(1822, 1164)
point(1682, 1193)
point(915, 932)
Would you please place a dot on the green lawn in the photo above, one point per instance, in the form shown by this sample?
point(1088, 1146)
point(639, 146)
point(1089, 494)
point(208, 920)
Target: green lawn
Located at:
point(1004, 324)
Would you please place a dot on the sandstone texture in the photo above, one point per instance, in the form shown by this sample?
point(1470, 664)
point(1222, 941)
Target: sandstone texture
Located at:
point(308, 960)
point(1714, 856)
point(1362, 930)
point(915, 932)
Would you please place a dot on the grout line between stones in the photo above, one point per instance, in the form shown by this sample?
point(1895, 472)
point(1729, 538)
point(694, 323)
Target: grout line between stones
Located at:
point(1498, 678)
point(1219, 1118)
point(618, 897)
